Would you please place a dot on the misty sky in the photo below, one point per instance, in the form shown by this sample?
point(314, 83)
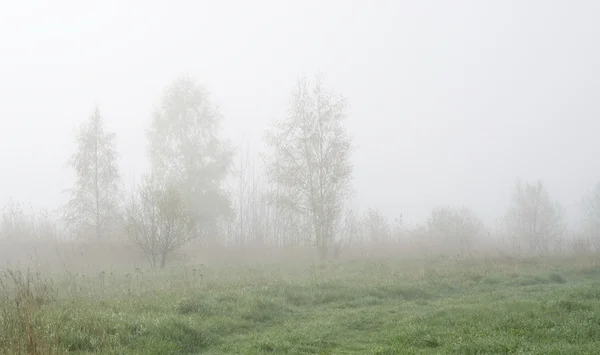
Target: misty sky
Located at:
point(449, 101)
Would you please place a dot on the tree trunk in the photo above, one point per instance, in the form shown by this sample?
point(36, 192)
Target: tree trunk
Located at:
point(163, 260)
point(97, 188)
point(322, 248)
point(323, 252)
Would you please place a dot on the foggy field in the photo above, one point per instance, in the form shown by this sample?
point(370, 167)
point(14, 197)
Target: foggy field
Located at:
point(539, 306)
point(299, 177)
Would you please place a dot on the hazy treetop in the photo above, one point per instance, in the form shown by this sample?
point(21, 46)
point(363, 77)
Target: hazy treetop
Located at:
point(448, 103)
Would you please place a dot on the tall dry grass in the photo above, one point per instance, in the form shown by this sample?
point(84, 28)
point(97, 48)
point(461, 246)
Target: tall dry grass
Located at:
point(22, 296)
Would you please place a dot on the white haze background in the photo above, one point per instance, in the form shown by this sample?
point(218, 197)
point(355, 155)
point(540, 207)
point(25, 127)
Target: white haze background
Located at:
point(450, 101)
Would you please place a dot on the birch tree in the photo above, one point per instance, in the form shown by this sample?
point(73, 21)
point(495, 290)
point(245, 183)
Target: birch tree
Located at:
point(534, 218)
point(310, 161)
point(456, 229)
point(93, 208)
point(186, 152)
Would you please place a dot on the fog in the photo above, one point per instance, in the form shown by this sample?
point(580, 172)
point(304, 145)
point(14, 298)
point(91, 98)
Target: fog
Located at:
point(448, 103)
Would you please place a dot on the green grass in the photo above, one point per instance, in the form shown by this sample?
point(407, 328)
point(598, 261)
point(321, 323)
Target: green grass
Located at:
point(384, 307)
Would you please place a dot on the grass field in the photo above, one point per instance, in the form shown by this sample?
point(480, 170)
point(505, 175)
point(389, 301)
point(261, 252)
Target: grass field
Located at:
point(352, 307)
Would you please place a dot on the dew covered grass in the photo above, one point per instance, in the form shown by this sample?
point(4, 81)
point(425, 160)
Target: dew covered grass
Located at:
point(510, 306)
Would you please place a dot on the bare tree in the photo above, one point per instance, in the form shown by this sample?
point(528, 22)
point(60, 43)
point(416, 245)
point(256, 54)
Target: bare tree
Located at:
point(456, 228)
point(18, 223)
point(257, 219)
point(260, 214)
point(351, 229)
point(311, 160)
point(186, 152)
point(242, 191)
point(376, 226)
point(93, 208)
point(591, 211)
point(156, 220)
point(534, 218)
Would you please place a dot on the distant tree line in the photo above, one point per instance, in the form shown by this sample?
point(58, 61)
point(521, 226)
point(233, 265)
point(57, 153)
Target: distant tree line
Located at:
point(296, 196)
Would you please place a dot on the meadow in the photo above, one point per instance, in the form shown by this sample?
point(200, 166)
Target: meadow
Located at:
point(386, 306)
